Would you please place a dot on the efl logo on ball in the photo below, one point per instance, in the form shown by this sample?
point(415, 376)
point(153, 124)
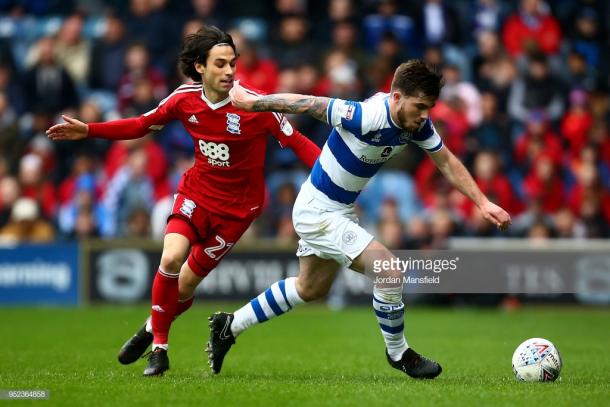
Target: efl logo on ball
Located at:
point(536, 360)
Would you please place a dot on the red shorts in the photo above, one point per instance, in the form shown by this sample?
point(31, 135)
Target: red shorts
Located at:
point(211, 235)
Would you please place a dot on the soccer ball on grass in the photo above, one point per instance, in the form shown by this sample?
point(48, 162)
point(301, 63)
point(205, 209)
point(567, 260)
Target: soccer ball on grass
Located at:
point(536, 360)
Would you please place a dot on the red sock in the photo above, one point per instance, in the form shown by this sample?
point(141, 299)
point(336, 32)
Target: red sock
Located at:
point(183, 306)
point(164, 304)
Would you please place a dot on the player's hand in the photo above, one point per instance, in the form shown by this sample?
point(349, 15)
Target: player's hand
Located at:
point(240, 98)
point(72, 129)
point(496, 215)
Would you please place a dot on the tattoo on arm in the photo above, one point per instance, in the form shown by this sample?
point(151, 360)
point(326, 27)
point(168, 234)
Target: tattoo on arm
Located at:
point(314, 106)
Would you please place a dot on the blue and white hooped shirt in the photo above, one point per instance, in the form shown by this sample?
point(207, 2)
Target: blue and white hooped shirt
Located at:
point(363, 139)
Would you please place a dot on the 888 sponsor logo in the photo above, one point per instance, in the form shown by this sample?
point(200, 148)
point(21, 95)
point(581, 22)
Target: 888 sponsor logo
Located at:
point(217, 153)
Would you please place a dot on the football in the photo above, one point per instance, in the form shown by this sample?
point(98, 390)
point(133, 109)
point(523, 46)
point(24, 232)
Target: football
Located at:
point(536, 360)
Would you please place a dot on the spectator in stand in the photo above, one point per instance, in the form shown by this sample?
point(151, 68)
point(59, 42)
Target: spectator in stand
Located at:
point(469, 95)
point(578, 74)
point(280, 212)
point(72, 50)
point(390, 234)
point(568, 226)
point(82, 208)
point(84, 227)
point(600, 138)
point(538, 89)
point(442, 226)
point(26, 225)
point(494, 183)
point(143, 98)
point(589, 155)
point(138, 223)
point(340, 79)
point(9, 193)
point(533, 214)
point(531, 29)
point(433, 56)
point(4, 167)
point(108, 56)
point(6, 55)
point(384, 63)
point(437, 20)
point(47, 85)
point(492, 133)
point(450, 115)
point(339, 11)
point(137, 64)
point(418, 236)
point(487, 16)
point(576, 124)
point(345, 38)
point(150, 25)
point(537, 139)
point(130, 188)
point(389, 227)
point(487, 54)
point(293, 47)
point(591, 201)
point(497, 76)
point(10, 145)
point(392, 186)
point(545, 184)
point(83, 166)
point(35, 185)
point(208, 11)
point(587, 38)
point(539, 232)
point(12, 88)
point(388, 19)
point(260, 73)
point(155, 161)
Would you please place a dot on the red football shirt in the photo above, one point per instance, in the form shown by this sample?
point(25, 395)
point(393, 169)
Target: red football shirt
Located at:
point(227, 177)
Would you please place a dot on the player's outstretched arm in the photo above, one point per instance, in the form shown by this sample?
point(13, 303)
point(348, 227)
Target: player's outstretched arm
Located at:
point(453, 169)
point(72, 129)
point(122, 129)
point(280, 102)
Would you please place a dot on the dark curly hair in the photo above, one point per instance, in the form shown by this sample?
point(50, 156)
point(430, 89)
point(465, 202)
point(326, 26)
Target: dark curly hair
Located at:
point(196, 48)
point(414, 77)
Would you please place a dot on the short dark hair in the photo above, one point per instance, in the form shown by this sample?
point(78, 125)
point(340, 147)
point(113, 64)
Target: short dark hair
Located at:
point(414, 77)
point(196, 49)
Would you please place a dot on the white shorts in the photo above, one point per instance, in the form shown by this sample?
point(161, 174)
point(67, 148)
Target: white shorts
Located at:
point(327, 229)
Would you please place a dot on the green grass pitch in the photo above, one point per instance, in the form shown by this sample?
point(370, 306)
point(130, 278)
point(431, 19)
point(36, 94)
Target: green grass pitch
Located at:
point(311, 356)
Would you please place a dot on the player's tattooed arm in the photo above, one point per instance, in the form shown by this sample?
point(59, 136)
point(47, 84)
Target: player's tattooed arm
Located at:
point(281, 103)
point(293, 103)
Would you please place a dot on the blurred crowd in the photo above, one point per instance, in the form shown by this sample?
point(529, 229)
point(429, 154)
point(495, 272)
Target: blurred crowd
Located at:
point(525, 105)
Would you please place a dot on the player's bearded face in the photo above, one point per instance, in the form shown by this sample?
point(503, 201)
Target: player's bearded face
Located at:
point(219, 70)
point(413, 111)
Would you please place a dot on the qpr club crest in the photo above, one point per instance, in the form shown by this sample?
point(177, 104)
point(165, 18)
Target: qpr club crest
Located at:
point(349, 237)
point(405, 137)
point(233, 123)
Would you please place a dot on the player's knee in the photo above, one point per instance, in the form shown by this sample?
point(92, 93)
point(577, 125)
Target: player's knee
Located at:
point(311, 290)
point(171, 263)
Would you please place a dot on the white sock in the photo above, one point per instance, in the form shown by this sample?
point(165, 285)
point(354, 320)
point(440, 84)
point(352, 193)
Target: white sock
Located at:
point(275, 301)
point(149, 325)
point(390, 311)
point(160, 345)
